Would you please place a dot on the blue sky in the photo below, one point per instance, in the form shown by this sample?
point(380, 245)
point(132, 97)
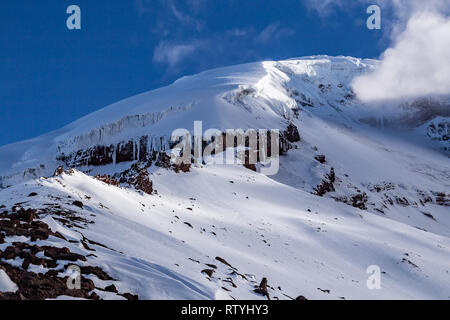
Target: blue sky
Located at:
point(50, 76)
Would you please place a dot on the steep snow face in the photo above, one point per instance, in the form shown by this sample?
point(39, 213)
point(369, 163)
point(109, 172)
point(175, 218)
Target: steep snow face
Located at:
point(256, 95)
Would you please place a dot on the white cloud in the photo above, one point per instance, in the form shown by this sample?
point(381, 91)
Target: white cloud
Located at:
point(273, 32)
point(418, 64)
point(418, 60)
point(324, 7)
point(401, 9)
point(173, 53)
point(144, 7)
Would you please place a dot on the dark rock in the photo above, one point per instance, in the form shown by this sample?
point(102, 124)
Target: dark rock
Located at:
point(137, 176)
point(429, 215)
point(230, 281)
point(442, 199)
point(33, 286)
point(208, 272)
point(130, 296)
point(42, 286)
point(125, 152)
point(111, 288)
point(262, 288)
point(359, 201)
point(324, 290)
point(78, 204)
point(62, 254)
point(224, 262)
point(320, 158)
point(291, 133)
point(327, 184)
point(94, 296)
point(59, 171)
point(102, 275)
point(9, 296)
point(108, 180)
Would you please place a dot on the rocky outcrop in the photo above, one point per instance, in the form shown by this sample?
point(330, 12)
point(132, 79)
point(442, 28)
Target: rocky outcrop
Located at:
point(53, 282)
point(100, 155)
point(291, 134)
point(137, 176)
point(439, 130)
point(262, 288)
point(22, 222)
point(140, 150)
point(320, 158)
point(141, 181)
point(326, 185)
point(108, 180)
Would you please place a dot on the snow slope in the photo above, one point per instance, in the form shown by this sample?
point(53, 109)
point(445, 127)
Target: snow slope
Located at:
point(386, 205)
point(299, 243)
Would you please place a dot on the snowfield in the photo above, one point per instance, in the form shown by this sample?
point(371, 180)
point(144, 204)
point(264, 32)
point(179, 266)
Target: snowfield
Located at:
point(261, 227)
point(361, 188)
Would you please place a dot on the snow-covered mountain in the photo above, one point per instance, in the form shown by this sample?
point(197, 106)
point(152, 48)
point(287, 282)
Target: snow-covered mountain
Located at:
point(360, 185)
